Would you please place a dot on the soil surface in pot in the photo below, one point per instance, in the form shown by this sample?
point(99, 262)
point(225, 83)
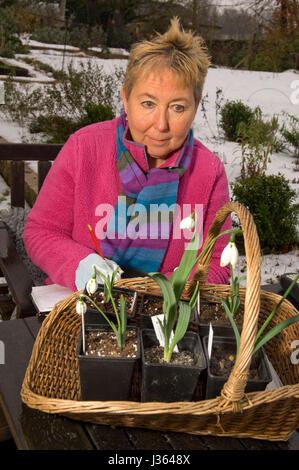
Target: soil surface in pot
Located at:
point(215, 314)
point(103, 343)
point(99, 299)
point(155, 354)
point(152, 306)
point(223, 358)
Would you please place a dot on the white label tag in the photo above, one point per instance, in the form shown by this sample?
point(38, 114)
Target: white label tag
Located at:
point(198, 305)
point(158, 331)
point(210, 340)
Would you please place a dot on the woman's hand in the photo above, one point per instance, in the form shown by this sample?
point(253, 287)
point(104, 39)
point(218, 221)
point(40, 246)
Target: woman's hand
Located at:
point(86, 267)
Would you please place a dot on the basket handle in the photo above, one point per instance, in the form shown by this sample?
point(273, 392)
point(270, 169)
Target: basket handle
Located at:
point(233, 389)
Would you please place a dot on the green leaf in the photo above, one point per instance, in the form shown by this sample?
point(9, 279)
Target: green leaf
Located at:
point(193, 299)
point(180, 276)
point(170, 303)
point(274, 331)
point(235, 304)
point(99, 310)
point(267, 321)
point(181, 327)
point(233, 323)
point(123, 319)
point(162, 325)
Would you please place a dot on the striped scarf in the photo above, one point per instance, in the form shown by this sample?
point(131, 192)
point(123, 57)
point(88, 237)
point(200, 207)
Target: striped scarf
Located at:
point(139, 230)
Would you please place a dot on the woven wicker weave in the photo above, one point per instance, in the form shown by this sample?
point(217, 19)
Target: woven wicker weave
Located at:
point(52, 381)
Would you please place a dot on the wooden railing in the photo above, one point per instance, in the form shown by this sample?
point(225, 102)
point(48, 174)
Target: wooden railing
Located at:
point(17, 155)
point(18, 281)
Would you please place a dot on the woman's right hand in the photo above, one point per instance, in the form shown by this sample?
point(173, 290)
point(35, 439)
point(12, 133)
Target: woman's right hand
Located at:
point(87, 266)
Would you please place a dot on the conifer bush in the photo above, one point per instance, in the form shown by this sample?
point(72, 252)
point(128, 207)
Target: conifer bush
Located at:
point(271, 202)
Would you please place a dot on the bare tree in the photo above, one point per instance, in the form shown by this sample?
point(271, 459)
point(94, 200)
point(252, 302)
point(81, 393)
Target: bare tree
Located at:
point(62, 8)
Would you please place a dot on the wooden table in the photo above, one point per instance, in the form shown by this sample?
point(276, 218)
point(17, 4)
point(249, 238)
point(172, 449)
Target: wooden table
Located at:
point(35, 430)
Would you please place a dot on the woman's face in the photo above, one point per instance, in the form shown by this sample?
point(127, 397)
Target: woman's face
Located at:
point(160, 111)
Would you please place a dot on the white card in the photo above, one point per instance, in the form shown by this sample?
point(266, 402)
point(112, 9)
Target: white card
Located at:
point(158, 331)
point(45, 297)
point(198, 305)
point(210, 340)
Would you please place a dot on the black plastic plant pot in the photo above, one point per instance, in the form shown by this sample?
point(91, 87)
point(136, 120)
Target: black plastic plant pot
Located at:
point(94, 317)
point(106, 378)
point(215, 383)
point(170, 382)
point(218, 329)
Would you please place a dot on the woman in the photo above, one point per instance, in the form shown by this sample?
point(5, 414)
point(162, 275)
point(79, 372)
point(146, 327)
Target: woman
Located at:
point(133, 178)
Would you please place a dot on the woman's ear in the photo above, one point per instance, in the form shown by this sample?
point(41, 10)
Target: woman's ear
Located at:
point(123, 95)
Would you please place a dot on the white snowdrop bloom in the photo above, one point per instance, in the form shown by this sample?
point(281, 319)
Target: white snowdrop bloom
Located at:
point(229, 255)
point(187, 222)
point(92, 286)
point(81, 307)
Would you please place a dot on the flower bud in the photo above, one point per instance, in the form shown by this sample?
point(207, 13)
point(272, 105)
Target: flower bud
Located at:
point(92, 286)
point(81, 307)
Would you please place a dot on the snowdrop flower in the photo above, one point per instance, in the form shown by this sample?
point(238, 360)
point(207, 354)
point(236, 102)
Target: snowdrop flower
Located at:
point(92, 286)
point(188, 222)
point(230, 254)
point(81, 307)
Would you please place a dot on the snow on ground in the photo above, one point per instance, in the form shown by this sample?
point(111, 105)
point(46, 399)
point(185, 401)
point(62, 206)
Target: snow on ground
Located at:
point(25, 38)
point(55, 59)
point(30, 42)
point(273, 92)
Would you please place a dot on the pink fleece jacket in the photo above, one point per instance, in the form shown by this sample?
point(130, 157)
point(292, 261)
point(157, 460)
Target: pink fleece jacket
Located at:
point(85, 175)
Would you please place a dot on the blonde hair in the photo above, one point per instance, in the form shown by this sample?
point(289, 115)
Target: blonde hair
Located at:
point(176, 49)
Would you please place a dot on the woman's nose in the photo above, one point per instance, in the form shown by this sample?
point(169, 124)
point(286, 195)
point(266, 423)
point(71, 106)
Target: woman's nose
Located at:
point(161, 121)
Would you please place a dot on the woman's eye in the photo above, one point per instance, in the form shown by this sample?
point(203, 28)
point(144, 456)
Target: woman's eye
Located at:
point(179, 108)
point(147, 104)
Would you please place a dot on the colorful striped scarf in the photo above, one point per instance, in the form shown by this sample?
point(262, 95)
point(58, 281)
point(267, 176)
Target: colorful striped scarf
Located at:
point(139, 230)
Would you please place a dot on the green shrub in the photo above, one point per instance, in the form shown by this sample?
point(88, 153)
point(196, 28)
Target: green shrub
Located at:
point(290, 132)
point(238, 59)
point(232, 114)
point(258, 141)
point(274, 53)
point(51, 35)
point(271, 203)
point(55, 129)
point(82, 37)
point(9, 42)
point(260, 62)
point(96, 113)
point(59, 128)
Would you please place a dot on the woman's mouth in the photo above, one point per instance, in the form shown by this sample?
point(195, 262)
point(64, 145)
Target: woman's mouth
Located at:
point(158, 141)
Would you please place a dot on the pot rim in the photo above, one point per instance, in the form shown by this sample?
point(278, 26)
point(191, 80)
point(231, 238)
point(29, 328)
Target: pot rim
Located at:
point(171, 365)
point(82, 356)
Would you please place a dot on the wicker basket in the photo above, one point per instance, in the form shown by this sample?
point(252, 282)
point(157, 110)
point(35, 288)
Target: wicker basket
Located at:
point(52, 382)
